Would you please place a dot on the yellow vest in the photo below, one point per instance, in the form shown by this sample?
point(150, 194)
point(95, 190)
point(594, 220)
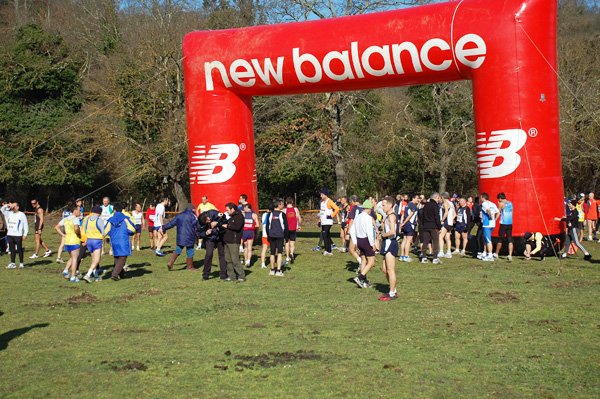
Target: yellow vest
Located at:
point(93, 227)
point(71, 237)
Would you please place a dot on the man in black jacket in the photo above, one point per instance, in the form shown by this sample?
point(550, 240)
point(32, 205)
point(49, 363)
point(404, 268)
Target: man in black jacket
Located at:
point(212, 236)
point(431, 224)
point(232, 240)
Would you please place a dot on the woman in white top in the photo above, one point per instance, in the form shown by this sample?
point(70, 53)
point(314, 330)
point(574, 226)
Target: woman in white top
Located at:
point(138, 221)
point(18, 228)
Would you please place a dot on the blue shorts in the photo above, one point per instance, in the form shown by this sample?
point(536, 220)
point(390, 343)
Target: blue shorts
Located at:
point(94, 244)
point(487, 234)
point(189, 251)
point(461, 228)
point(389, 246)
point(138, 228)
point(408, 230)
point(70, 248)
point(247, 235)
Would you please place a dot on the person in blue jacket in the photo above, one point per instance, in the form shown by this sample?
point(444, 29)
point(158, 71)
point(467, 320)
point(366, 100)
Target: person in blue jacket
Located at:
point(119, 227)
point(187, 224)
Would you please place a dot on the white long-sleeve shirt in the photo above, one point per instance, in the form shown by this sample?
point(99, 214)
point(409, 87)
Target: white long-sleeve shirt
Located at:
point(363, 228)
point(17, 224)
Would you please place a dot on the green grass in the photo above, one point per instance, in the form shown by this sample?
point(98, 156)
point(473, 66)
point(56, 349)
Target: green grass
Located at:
point(463, 329)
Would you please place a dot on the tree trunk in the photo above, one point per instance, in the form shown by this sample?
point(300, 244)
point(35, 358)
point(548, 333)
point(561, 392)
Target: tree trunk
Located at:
point(180, 196)
point(335, 113)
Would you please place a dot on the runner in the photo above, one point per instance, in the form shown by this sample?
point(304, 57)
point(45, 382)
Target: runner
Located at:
point(72, 234)
point(363, 235)
point(344, 209)
point(463, 220)
point(506, 223)
point(328, 211)
point(355, 210)
point(39, 226)
point(139, 223)
point(17, 230)
point(241, 202)
point(159, 220)
point(581, 220)
point(591, 216)
point(277, 230)
point(250, 222)
point(407, 226)
point(65, 214)
point(294, 221)
point(447, 216)
point(107, 211)
point(3, 227)
point(93, 229)
point(203, 207)
point(389, 248)
point(489, 215)
point(265, 239)
point(572, 223)
point(150, 216)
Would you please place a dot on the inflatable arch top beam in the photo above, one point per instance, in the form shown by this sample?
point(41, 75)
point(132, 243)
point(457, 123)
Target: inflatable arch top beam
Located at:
point(506, 47)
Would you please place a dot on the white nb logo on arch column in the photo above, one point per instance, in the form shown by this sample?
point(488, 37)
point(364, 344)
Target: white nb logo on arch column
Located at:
point(204, 163)
point(493, 161)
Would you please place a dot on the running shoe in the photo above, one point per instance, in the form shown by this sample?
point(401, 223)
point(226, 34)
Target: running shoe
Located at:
point(97, 279)
point(47, 253)
point(333, 246)
point(325, 253)
point(509, 258)
point(479, 255)
point(21, 266)
point(368, 284)
point(495, 255)
point(87, 279)
point(279, 273)
point(115, 278)
point(564, 256)
point(488, 258)
point(359, 282)
point(292, 259)
point(528, 258)
point(316, 248)
point(463, 253)
point(387, 297)
point(126, 268)
point(284, 263)
point(65, 274)
point(436, 261)
point(263, 266)
point(74, 280)
point(272, 272)
point(588, 257)
point(59, 260)
point(440, 254)
point(408, 259)
point(159, 253)
point(199, 247)
point(34, 256)
point(424, 260)
point(448, 254)
point(11, 266)
point(456, 252)
point(137, 248)
point(241, 280)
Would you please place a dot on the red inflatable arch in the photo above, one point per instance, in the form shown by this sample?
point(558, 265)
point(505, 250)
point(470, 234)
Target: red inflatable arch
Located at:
point(506, 47)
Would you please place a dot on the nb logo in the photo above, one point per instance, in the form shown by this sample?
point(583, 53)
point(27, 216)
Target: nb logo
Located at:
point(497, 152)
point(214, 165)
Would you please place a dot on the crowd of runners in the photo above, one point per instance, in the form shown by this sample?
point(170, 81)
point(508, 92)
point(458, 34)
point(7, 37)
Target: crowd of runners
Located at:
point(396, 228)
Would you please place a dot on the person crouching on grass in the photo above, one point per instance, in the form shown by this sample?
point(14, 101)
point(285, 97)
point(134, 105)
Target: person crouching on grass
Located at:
point(363, 233)
point(72, 236)
point(187, 225)
point(119, 227)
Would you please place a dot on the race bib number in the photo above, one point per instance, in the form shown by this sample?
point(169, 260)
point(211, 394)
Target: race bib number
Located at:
point(153, 217)
point(12, 225)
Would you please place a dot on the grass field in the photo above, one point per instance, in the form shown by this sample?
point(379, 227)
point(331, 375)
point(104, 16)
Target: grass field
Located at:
point(462, 329)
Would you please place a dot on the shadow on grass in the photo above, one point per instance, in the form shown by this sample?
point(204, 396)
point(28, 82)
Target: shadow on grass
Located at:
point(12, 334)
point(351, 266)
point(44, 262)
point(136, 273)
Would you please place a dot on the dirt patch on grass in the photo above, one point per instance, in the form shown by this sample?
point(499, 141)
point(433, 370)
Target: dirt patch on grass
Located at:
point(126, 365)
point(129, 297)
point(502, 297)
point(85, 298)
point(272, 359)
point(574, 284)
